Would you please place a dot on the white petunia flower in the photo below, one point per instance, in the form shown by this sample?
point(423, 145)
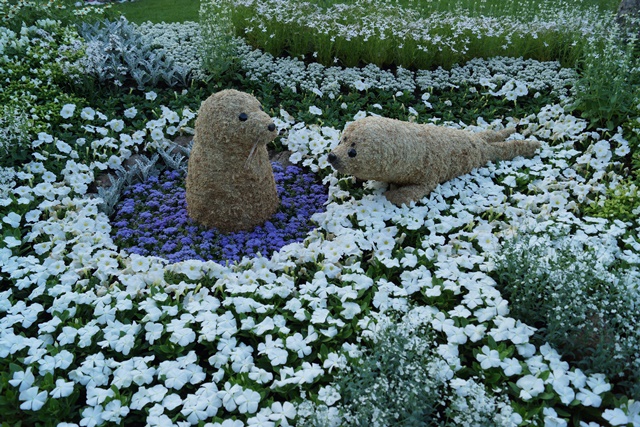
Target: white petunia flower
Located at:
point(298, 344)
point(63, 389)
point(488, 358)
point(12, 242)
point(130, 113)
point(247, 401)
point(552, 419)
point(87, 113)
point(530, 387)
point(92, 416)
point(32, 399)
point(22, 379)
point(511, 366)
point(360, 115)
point(616, 417)
point(510, 181)
point(157, 134)
point(63, 147)
point(350, 310)
point(116, 125)
point(315, 110)
point(13, 219)
point(589, 398)
point(67, 111)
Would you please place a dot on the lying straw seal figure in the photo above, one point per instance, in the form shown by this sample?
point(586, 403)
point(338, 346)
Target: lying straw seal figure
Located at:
point(415, 158)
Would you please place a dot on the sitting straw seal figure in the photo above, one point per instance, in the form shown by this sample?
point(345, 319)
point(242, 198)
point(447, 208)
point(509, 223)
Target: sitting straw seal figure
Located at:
point(415, 158)
point(230, 184)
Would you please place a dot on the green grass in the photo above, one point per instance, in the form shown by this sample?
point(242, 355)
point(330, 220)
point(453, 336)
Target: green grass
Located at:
point(158, 11)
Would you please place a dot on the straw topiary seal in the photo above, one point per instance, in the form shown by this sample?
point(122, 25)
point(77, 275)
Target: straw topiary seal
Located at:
point(415, 158)
point(230, 184)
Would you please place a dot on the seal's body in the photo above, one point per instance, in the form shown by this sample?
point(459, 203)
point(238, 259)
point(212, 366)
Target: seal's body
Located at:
point(230, 184)
point(415, 158)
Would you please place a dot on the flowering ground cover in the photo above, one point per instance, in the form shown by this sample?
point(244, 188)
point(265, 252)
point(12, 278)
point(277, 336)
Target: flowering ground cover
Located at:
point(505, 297)
point(152, 220)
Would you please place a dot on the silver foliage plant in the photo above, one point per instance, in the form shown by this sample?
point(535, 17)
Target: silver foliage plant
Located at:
point(116, 51)
point(175, 157)
point(110, 196)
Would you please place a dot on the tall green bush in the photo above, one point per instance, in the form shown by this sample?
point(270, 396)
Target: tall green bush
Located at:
point(607, 90)
point(218, 37)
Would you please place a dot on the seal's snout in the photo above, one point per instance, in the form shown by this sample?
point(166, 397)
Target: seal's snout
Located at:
point(271, 127)
point(334, 161)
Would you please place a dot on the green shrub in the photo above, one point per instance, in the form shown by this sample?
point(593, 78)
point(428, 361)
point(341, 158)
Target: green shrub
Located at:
point(607, 90)
point(401, 380)
point(583, 306)
point(218, 37)
point(394, 385)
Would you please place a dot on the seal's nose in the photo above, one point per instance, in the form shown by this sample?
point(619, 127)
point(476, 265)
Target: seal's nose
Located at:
point(331, 157)
point(271, 127)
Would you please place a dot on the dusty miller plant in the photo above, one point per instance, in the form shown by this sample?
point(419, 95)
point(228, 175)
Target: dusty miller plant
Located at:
point(116, 51)
point(175, 157)
point(140, 170)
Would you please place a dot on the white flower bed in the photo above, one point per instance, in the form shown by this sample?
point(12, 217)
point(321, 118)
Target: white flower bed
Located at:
point(182, 343)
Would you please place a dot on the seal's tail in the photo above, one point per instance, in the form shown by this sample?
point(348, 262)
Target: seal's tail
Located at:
point(496, 136)
point(507, 150)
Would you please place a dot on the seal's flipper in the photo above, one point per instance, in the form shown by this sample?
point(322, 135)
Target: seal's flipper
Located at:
point(405, 194)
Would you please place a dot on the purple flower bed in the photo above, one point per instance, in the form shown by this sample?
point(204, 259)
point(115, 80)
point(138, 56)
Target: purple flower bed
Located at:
point(152, 219)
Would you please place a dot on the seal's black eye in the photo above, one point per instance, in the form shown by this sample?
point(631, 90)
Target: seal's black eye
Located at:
point(243, 117)
point(352, 152)
point(261, 109)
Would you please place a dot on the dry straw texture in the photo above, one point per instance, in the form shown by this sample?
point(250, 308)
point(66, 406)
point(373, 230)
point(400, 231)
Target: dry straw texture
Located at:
point(415, 158)
point(230, 184)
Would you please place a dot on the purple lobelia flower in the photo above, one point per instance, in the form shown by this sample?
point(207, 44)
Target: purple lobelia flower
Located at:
point(152, 219)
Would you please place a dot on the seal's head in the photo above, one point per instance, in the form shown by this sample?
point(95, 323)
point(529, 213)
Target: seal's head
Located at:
point(357, 154)
point(238, 120)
